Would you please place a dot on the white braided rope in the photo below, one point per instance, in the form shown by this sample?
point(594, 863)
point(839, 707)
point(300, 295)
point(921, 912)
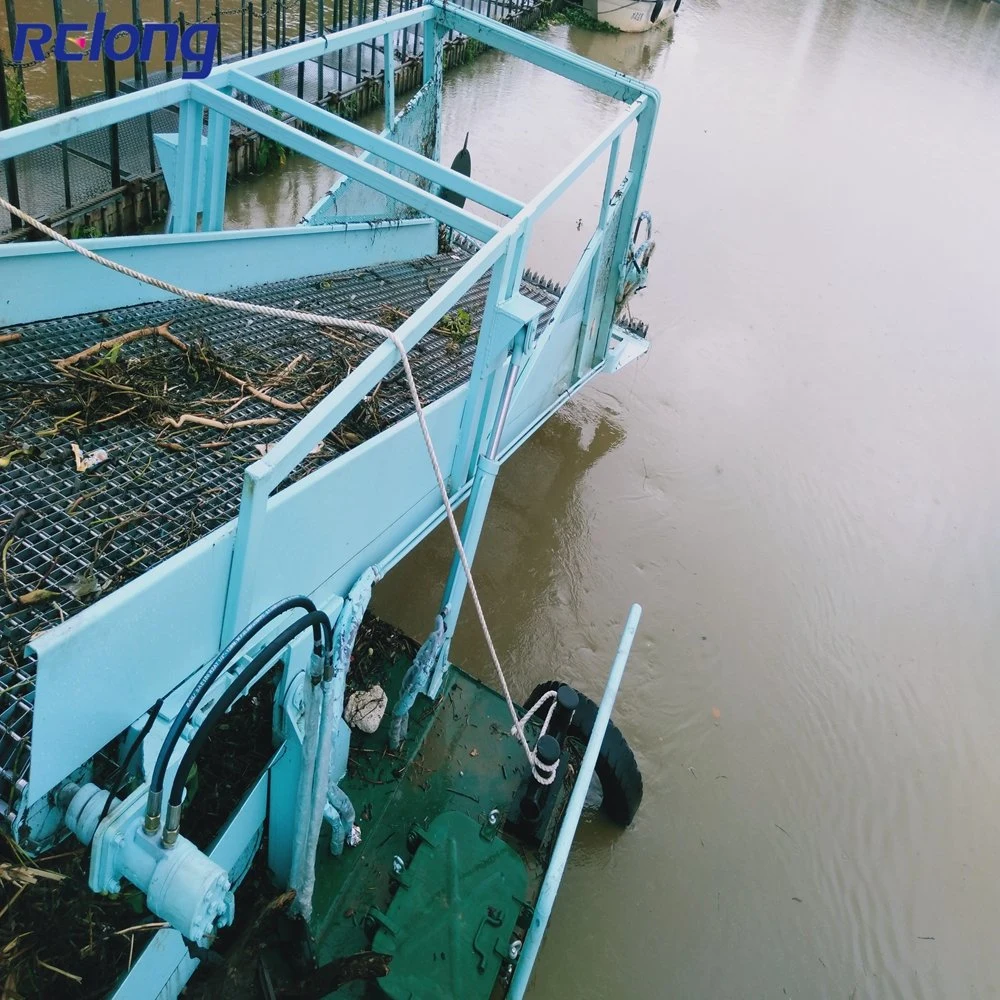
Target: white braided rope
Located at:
point(544, 773)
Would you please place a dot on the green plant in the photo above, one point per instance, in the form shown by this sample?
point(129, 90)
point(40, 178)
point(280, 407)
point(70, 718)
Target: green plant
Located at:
point(575, 15)
point(349, 106)
point(458, 326)
point(86, 232)
point(17, 98)
point(269, 151)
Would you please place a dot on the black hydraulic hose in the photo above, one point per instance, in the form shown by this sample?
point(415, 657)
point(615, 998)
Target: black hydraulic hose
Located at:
point(216, 667)
point(235, 689)
point(123, 770)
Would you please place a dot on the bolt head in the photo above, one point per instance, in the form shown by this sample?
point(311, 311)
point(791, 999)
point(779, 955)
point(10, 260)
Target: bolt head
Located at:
point(515, 950)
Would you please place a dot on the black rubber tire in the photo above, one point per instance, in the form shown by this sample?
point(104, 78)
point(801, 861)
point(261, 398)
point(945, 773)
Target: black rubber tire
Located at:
point(621, 780)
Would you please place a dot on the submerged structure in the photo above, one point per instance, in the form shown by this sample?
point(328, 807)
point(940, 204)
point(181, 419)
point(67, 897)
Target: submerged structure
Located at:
point(213, 445)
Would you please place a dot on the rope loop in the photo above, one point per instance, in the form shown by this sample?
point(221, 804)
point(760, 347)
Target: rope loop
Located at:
point(543, 773)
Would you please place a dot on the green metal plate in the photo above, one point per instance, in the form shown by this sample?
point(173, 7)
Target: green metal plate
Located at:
point(449, 925)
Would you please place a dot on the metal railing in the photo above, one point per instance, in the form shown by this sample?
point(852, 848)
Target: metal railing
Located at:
point(498, 254)
point(55, 181)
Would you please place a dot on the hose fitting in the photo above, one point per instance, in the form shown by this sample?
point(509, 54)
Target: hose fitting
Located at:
point(151, 823)
point(173, 825)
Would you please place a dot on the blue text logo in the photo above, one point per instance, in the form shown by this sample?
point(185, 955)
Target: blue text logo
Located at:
point(119, 42)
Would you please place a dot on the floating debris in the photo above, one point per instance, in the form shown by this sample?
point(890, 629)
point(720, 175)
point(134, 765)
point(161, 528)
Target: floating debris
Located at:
point(456, 325)
point(12, 447)
point(377, 647)
point(365, 709)
point(37, 596)
point(84, 463)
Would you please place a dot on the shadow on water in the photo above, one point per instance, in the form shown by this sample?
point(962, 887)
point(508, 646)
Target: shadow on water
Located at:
point(536, 526)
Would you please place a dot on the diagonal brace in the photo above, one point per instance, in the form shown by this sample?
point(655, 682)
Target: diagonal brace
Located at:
point(333, 124)
point(337, 159)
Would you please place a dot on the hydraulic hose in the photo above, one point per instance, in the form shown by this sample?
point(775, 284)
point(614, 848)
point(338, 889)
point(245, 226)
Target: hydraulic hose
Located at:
point(215, 668)
point(123, 767)
point(319, 621)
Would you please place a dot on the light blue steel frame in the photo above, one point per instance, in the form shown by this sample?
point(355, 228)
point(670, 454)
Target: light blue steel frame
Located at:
point(506, 337)
point(574, 810)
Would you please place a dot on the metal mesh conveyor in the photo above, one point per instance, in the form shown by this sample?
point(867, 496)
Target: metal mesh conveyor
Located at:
point(79, 536)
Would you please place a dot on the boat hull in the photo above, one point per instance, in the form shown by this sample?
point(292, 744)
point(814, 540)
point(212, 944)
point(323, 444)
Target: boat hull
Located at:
point(636, 16)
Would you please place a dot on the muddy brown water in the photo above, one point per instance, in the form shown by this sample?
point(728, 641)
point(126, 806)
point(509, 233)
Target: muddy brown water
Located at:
point(800, 486)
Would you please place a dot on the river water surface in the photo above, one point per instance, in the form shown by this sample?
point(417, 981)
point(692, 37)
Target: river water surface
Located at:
point(799, 484)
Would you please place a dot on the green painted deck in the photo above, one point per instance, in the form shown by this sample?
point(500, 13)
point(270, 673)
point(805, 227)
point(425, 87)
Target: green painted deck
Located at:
point(459, 758)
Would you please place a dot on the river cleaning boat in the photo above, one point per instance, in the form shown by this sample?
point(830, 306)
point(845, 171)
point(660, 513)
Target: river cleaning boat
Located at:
point(219, 772)
point(634, 15)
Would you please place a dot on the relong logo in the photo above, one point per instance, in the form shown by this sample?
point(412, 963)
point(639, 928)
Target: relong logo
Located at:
point(119, 42)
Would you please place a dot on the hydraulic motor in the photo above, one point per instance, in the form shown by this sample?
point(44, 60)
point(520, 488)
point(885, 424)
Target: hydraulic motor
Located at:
point(182, 885)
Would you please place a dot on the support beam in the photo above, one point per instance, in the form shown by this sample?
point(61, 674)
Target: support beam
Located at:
point(49, 131)
point(265, 474)
point(218, 169)
point(184, 213)
point(530, 49)
point(389, 80)
point(623, 237)
point(385, 149)
point(337, 159)
point(337, 41)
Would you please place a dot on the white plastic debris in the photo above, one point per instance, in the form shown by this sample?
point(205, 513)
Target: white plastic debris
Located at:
point(84, 463)
point(365, 709)
point(354, 837)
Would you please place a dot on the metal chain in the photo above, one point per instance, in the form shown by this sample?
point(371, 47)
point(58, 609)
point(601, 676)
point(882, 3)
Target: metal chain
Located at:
point(13, 64)
point(544, 773)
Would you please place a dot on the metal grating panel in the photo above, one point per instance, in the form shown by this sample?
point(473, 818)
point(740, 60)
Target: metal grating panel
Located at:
point(148, 502)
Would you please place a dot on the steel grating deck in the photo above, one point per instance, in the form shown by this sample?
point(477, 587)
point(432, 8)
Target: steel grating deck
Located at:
point(65, 532)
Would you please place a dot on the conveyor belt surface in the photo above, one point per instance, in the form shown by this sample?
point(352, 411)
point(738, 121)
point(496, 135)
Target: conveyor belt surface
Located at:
point(82, 535)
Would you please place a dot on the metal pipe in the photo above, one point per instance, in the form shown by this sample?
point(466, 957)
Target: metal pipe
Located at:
point(167, 19)
point(320, 63)
point(313, 695)
point(302, 38)
point(218, 40)
point(574, 809)
point(65, 100)
point(110, 89)
point(358, 69)
point(9, 167)
point(339, 813)
point(334, 686)
point(389, 80)
point(508, 393)
point(182, 27)
point(136, 60)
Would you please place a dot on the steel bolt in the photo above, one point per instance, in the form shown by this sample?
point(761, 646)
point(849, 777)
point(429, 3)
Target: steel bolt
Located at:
point(515, 950)
point(494, 817)
point(398, 864)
